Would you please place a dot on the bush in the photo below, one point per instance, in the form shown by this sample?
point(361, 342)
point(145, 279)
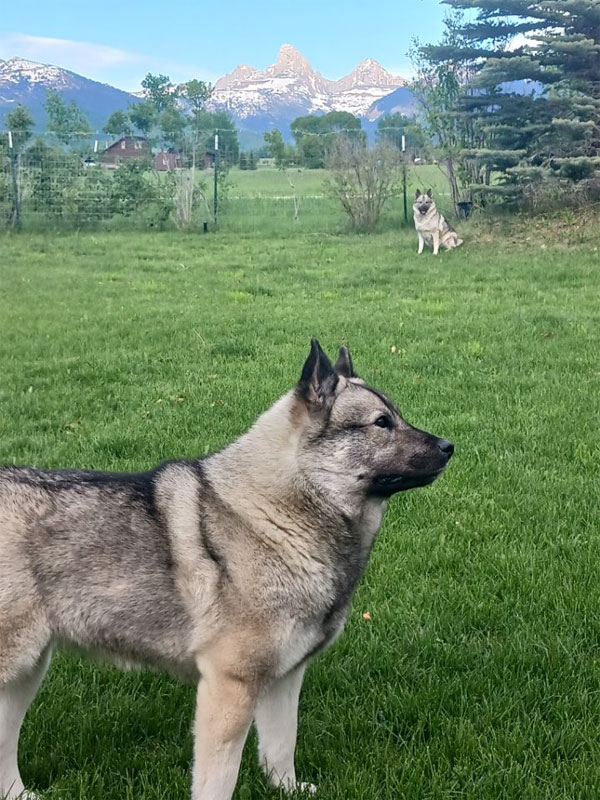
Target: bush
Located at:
point(363, 180)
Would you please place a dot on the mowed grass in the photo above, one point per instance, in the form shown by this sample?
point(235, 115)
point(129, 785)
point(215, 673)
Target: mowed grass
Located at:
point(478, 675)
point(265, 182)
point(262, 200)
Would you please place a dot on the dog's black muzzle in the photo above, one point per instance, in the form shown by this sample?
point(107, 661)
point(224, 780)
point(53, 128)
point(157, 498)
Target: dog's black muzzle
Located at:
point(388, 484)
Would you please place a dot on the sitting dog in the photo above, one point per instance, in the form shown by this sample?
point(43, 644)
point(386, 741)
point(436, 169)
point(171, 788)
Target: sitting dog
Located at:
point(431, 226)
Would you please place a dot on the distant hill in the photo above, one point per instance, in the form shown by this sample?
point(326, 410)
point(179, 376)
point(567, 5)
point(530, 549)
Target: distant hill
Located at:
point(27, 82)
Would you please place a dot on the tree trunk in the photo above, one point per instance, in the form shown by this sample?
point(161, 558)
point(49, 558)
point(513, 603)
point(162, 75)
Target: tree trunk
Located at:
point(453, 184)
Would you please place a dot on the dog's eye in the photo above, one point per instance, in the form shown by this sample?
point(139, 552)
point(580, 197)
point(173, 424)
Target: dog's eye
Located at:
point(383, 421)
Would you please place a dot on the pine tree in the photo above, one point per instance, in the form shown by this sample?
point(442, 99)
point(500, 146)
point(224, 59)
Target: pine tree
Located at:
point(552, 129)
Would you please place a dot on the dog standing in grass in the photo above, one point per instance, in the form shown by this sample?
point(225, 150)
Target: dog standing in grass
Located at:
point(232, 571)
point(432, 227)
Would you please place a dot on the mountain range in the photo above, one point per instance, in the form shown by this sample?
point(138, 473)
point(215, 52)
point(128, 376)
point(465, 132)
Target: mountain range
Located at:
point(256, 99)
point(290, 87)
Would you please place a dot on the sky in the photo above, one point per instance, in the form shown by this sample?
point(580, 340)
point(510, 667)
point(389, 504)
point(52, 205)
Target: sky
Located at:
point(118, 43)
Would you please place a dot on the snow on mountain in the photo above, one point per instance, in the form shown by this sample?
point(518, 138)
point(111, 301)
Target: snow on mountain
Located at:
point(291, 87)
point(256, 99)
point(27, 82)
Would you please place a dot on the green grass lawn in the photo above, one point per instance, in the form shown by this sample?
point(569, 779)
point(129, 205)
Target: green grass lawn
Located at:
point(262, 200)
point(255, 200)
point(269, 182)
point(478, 675)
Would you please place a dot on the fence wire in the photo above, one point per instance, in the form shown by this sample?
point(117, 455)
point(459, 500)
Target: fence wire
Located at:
point(92, 180)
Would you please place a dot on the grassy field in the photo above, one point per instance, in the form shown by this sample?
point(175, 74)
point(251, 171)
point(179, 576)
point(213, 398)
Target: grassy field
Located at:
point(266, 182)
point(478, 675)
point(262, 200)
point(255, 200)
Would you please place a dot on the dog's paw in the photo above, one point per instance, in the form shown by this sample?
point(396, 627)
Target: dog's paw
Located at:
point(305, 788)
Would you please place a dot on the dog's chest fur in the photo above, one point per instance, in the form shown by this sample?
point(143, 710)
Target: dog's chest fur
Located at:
point(430, 222)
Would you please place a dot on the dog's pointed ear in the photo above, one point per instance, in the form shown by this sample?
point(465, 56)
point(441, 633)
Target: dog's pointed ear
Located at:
point(318, 380)
point(417, 193)
point(429, 193)
point(343, 366)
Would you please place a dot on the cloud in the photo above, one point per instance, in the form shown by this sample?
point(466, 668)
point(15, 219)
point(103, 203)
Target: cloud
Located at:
point(66, 53)
point(122, 68)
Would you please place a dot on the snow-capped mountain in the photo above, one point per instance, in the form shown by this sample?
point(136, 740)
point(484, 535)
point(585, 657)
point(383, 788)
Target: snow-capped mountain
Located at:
point(257, 100)
point(27, 82)
point(291, 87)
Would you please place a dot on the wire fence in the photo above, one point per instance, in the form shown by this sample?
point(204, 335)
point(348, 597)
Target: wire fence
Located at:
point(130, 182)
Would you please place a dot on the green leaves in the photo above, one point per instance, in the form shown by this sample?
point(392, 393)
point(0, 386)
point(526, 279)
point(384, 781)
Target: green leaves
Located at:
point(66, 121)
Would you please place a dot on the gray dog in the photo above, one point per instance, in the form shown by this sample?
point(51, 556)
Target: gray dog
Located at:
point(432, 228)
point(232, 571)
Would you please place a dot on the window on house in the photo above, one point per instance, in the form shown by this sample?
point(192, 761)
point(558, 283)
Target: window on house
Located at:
point(123, 144)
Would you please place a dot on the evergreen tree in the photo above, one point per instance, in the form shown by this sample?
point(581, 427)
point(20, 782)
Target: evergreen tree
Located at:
point(550, 129)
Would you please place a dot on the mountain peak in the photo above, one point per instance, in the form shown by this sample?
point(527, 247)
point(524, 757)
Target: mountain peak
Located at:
point(18, 69)
point(17, 61)
point(370, 73)
point(291, 87)
point(290, 60)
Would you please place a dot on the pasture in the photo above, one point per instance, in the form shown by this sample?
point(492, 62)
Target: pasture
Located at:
point(478, 674)
point(263, 200)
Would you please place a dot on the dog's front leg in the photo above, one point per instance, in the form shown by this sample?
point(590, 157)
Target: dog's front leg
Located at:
point(276, 720)
point(225, 707)
point(436, 243)
point(421, 244)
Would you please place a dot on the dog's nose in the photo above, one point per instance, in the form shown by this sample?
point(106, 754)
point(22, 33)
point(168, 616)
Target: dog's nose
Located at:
point(446, 447)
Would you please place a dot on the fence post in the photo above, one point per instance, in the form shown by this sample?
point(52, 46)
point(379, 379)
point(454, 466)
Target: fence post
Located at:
point(404, 177)
point(16, 199)
point(216, 190)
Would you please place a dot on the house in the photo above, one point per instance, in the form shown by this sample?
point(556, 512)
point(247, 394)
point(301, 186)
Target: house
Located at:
point(167, 162)
point(125, 148)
